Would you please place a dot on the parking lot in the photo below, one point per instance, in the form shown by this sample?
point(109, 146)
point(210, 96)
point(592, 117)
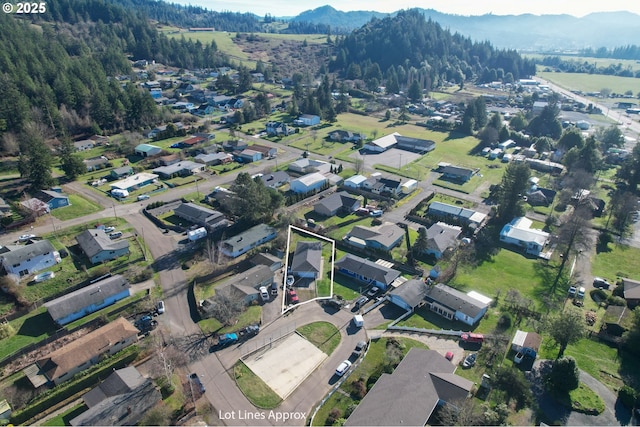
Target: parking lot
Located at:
point(392, 158)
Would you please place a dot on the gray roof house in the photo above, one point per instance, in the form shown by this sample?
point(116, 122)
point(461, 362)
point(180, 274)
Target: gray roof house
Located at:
point(27, 259)
point(182, 168)
point(384, 237)
point(243, 286)
point(200, 215)
point(335, 203)
point(119, 382)
point(407, 397)
point(456, 173)
point(307, 260)
point(275, 179)
point(409, 295)
point(98, 247)
point(124, 409)
point(365, 271)
point(247, 240)
point(441, 237)
point(263, 258)
point(631, 291)
point(87, 300)
point(455, 305)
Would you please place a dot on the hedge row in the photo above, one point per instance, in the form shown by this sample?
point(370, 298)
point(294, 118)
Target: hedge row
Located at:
point(81, 381)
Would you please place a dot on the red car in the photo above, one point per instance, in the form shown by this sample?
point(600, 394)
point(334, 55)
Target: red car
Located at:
point(292, 297)
point(449, 356)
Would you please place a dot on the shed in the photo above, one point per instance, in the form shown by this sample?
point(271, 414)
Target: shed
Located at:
point(524, 339)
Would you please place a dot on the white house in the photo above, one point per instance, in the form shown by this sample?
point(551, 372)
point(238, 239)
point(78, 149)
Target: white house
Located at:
point(27, 259)
point(355, 181)
point(409, 186)
point(519, 232)
point(309, 182)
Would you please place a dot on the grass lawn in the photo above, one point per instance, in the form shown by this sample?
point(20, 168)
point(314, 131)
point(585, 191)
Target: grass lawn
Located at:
point(619, 261)
point(79, 207)
point(31, 328)
point(250, 316)
point(376, 357)
point(592, 82)
point(256, 390)
point(64, 419)
point(582, 399)
point(346, 287)
point(323, 335)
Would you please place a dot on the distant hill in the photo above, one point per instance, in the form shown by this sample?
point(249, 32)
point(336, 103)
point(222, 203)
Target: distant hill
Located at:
point(524, 32)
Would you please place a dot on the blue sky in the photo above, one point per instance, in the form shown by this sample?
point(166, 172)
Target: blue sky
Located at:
point(460, 7)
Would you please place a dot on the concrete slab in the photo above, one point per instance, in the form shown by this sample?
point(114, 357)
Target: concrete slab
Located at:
point(286, 364)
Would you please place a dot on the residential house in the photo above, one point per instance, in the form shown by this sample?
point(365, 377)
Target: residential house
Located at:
point(121, 172)
point(457, 174)
point(631, 291)
point(337, 203)
point(257, 77)
point(275, 179)
point(522, 340)
point(122, 399)
point(183, 168)
point(538, 106)
point(242, 286)
point(35, 206)
point(249, 156)
point(238, 145)
point(307, 260)
point(213, 159)
point(278, 129)
point(441, 237)
point(617, 320)
point(545, 166)
point(200, 215)
point(304, 166)
point(422, 381)
point(205, 135)
point(451, 213)
point(87, 300)
point(264, 258)
point(169, 159)
point(98, 247)
point(540, 196)
point(306, 183)
point(5, 409)
point(85, 144)
point(519, 232)
point(220, 100)
point(378, 185)
point(95, 163)
point(247, 240)
point(147, 150)
point(205, 110)
point(99, 140)
point(355, 181)
point(414, 144)
point(307, 120)
point(28, 259)
point(267, 152)
point(62, 364)
point(452, 304)
point(190, 142)
point(366, 272)
point(135, 182)
point(409, 295)
point(346, 136)
point(383, 237)
point(53, 198)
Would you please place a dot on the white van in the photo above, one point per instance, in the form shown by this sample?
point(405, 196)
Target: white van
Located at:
point(264, 293)
point(358, 321)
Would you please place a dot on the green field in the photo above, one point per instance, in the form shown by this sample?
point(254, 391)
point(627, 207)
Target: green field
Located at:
point(323, 335)
point(619, 261)
point(599, 62)
point(79, 206)
point(592, 82)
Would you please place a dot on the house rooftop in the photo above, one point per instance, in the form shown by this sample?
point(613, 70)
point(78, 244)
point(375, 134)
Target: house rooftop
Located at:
point(197, 212)
point(412, 292)
point(133, 180)
point(367, 268)
point(307, 257)
point(455, 300)
point(94, 241)
point(18, 254)
point(249, 237)
point(119, 382)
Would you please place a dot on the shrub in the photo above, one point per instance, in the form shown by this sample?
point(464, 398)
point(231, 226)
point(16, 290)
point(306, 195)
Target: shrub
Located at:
point(505, 321)
point(564, 374)
point(6, 330)
point(598, 295)
point(358, 389)
point(627, 396)
point(334, 414)
point(614, 300)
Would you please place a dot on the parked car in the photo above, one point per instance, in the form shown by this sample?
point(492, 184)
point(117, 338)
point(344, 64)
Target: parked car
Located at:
point(26, 237)
point(109, 229)
point(449, 356)
point(580, 294)
point(572, 292)
point(343, 368)
point(371, 293)
point(360, 347)
point(143, 197)
point(264, 293)
point(376, 213)
point(196, 379)
point(469, 361)
point(362, 212)
point(472, 338)
point(160, 307)
point(360, 302)
point(292, 296)
point(599, 282)
point(115, 235)
point(524, 353)
point(274, 289)
point(290, 280)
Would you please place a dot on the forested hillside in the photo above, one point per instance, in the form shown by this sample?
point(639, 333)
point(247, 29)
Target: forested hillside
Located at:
point(58, 70)
point(424, 51)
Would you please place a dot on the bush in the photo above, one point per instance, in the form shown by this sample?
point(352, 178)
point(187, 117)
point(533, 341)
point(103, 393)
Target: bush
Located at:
point(504, 322)
point(564, 374)
point(334, 414)
point(614, 300)
point(358, 389)
point(598, 295)
point(627, 396)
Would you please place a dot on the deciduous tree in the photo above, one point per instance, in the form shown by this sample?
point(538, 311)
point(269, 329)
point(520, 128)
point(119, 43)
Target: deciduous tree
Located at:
point(566, 327)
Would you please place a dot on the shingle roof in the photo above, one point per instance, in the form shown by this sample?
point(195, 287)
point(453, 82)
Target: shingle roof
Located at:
point(412, 292)
point(87, 296)
point(307, 257)
point(409, 395)
point(367, 268)
point(86, 348)
point(200, 213)
point(337, 201)
point(442, 236)
point(48, 195)
point(23, 253)
point(249, 237)
point(92, 242)
point(386, 234)
point(119, 382)
point(631, 288)
point(455, 300)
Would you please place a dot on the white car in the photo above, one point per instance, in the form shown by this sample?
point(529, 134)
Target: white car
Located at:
point(343, 368)
point(44, 276)
point(264, 293)
point(109, 229)
point(160, 307)
point(26, 237)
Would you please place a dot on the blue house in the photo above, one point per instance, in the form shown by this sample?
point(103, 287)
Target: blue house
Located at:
point(307, 120)
point(366, 272)
point(247, 240)
point(249, 156)
point(98, 247)
point(53, 198)
point(87, 300)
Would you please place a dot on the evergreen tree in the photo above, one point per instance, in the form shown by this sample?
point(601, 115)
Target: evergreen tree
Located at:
point(512, 188)
point(415, 91)
point(36, 160)
point(70, 162)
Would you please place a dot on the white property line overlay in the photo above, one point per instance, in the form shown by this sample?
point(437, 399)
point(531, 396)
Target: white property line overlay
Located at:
point(286, 267)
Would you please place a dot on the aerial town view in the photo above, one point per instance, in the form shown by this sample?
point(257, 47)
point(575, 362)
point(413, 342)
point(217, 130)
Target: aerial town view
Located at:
point(319, 213)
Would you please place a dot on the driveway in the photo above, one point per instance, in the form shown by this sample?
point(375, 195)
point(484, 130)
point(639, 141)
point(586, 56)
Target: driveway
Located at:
point(613, 415)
